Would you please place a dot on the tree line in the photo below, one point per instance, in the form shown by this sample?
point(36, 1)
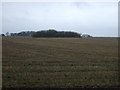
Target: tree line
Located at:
point(47, 33)
point(54, 33)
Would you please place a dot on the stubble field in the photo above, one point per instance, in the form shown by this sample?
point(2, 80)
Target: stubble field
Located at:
point(59, 62)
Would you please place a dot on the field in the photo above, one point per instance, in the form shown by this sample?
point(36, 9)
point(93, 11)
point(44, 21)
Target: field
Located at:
point(59, 62)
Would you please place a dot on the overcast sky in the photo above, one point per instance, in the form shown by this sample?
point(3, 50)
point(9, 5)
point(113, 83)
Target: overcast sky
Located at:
point(97, 19)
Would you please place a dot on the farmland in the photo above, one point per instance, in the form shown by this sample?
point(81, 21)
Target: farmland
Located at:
point(59, 62)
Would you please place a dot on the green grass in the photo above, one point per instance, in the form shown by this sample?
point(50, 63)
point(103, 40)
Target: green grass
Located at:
point(60, 62)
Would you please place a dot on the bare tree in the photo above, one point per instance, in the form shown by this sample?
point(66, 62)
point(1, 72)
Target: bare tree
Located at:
point(7, 33)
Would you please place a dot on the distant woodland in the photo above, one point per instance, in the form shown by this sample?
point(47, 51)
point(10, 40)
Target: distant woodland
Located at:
point(54, 33)
point(47, 33)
